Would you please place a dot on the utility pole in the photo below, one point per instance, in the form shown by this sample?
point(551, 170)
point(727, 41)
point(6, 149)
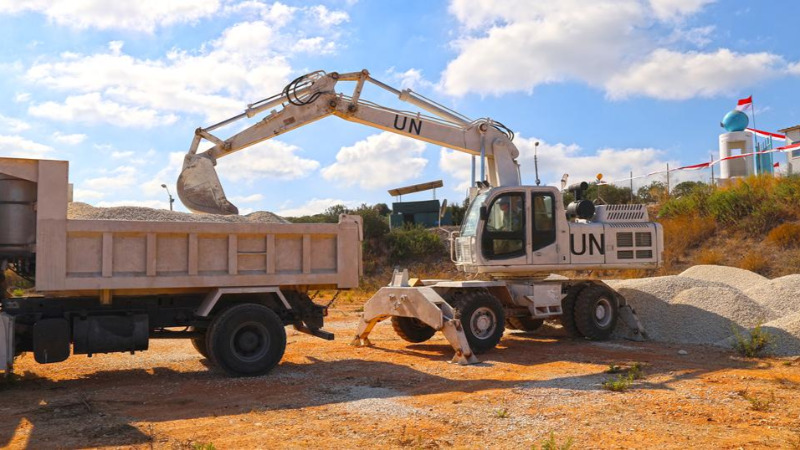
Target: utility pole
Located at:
point(171, 200)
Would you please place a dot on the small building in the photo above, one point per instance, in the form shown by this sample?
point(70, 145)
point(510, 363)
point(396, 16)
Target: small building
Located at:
point(425, 213)
point(792, 158)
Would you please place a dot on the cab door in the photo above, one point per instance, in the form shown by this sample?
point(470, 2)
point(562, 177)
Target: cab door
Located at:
point(544, 249)
point(505, 235)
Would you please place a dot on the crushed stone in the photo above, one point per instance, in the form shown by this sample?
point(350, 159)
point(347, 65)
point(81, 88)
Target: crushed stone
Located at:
point(706, 304)
point(780, 294)
point(786, 332)
point(78, 210)
point(732, 276)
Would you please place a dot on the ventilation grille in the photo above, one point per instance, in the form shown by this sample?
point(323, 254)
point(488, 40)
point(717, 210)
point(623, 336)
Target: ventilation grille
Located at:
point(634, 246)
point(622, 213)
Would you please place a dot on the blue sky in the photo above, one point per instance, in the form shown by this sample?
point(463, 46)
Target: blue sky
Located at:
point(611, 86)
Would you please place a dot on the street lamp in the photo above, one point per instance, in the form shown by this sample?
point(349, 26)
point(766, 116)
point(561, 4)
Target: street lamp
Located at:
point(171, 200)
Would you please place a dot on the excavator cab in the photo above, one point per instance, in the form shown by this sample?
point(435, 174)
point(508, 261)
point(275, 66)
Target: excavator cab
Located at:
point(512, 229)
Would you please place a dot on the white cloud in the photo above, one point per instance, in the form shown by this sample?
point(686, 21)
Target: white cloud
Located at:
point(410, 79)
point(699, 36)
point(316, 45)
point(116, 154)
point(328, 18)
point(87, 195)
point(22, 97)
point(167, 175)
point(676, 9)
point(19, 147)
point(267, 160)
point(247, 61)
point(246, 199)
point(13, 125)
point(379, 161)
point(69, 139)
point(557, 159)
point(615, 45)
point(314, 206)
point(93, 109)
point(140, 15)
point(542, 42)
point(679, 76)
point(119, 178)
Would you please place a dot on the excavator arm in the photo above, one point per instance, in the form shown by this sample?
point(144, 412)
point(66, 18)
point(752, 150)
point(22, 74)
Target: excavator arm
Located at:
point(313, 97)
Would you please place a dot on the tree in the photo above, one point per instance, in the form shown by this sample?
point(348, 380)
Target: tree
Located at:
point(654, 192)
point(687, 187)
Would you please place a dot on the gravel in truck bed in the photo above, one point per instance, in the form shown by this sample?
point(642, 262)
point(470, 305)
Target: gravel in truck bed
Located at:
point(77, 210)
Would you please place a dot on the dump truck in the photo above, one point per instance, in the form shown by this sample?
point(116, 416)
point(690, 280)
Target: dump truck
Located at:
point(514, 235)
point(105, 286)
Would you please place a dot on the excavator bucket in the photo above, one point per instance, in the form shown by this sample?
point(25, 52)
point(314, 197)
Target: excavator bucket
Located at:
point(199, 188)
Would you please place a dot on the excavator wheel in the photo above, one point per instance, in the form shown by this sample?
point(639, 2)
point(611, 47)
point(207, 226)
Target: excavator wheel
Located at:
point(596, 313)
point(528, 324)
point(482, 318)
point(412, 330)
point(568, 311)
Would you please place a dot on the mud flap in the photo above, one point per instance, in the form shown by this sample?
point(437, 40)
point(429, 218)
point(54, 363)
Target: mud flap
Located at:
point(6, 343)
point(421, 303)
point(634, 329)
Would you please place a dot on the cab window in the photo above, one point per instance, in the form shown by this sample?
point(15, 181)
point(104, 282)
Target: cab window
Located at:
point(504, 233)
point(544, 220)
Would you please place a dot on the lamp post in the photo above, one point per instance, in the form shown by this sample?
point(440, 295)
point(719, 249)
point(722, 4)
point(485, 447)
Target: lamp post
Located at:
point(171, 200)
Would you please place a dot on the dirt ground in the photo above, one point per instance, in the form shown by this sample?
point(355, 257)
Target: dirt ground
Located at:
point(331, 395)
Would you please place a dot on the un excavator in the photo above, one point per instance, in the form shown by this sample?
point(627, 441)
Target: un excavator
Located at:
point(514, 235)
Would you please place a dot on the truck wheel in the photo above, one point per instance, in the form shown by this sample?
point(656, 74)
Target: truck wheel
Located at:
point(568, 311)
point(528, 324)
point(199, 344)
point(246, 340)
point(482, 318)
point(596, 313)
point(411, 329)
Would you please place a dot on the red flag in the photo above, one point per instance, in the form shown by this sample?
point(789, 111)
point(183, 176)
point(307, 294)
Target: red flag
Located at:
point(744, 103)
point(776, 165)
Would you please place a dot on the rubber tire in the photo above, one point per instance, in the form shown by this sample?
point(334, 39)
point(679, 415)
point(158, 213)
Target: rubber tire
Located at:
point(199, 344)
point(527, 324)
point(568, 311)
point(412, 330)
point(466, 305)
point(219, 339)
point(585, 316)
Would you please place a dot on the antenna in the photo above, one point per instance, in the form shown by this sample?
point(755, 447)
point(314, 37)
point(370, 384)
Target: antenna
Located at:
point(536, 162)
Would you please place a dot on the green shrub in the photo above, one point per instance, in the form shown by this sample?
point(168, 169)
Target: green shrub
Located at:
point(551, 444)
point(619, 384)
point(756, 343)
point(412, 243)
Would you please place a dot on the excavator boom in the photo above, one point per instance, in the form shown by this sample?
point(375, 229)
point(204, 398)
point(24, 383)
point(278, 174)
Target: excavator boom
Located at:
point(312, 97)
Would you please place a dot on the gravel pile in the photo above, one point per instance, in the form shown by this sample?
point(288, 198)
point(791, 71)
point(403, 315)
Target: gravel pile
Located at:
point(704, 304)
point(780, 294)
point(732, 276)
point(77, 210)
point(787, 334)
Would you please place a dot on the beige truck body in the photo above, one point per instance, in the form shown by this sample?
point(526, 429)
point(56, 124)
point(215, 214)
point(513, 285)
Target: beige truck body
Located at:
point(115, 257)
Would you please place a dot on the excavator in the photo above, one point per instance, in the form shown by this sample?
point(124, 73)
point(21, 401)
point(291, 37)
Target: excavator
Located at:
point(514, 235)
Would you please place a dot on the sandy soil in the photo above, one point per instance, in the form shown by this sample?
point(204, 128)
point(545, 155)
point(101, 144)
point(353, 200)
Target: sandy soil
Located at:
point(331, 395)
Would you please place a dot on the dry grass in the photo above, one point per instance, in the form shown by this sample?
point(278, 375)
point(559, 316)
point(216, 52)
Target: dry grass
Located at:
point(785, 236)
point(709, 256)
point(755, 262)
